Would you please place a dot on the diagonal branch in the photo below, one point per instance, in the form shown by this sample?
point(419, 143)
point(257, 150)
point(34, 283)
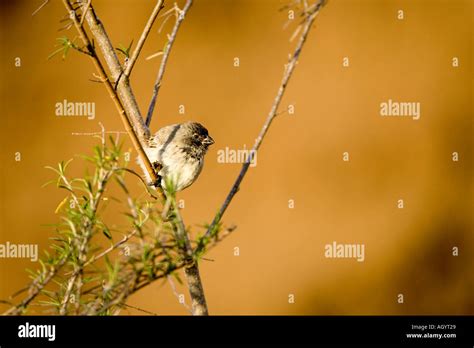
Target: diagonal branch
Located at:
point(161, 72)
point(45, 2)
point(133, 59)
point(84, 10)
point(125, 116)
point(36, 287)
point(124, 89)
point(289, 69)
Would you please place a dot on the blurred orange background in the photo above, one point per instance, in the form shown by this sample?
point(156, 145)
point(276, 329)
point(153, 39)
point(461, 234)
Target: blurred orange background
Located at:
point(407, 251)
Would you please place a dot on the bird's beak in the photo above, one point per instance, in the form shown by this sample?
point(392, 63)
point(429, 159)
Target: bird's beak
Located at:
point(208, 141)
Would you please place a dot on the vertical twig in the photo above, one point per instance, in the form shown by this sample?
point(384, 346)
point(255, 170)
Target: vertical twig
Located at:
point(289, 69)
point(131, 62)
point(196, 290)
point(191, 269)
point(199, 306)
point(175, 292)
point(164, 59)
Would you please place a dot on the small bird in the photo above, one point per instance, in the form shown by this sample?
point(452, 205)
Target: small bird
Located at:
point(177, 153)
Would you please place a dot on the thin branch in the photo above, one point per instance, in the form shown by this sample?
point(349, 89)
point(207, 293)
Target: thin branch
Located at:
point(175, 292)
point(67, 295)
point(124, 89)
point(131, 62)
point(136, 141)
point(39, 8)
point(111, 248)
point(139, 309)
point(84, 11)
point(147, 188)
point(164, 60)
point(191, 269)
point(289, 69)
point(147, 281)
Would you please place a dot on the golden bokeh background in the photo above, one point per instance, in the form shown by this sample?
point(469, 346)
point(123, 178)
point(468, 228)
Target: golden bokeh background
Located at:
point(407, 251)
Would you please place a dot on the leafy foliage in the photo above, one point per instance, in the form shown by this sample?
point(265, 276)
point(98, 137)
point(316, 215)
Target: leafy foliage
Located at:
point(65, 45)
point(93, 265)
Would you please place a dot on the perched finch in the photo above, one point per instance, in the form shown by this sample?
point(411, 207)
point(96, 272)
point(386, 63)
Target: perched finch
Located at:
point(177, 153)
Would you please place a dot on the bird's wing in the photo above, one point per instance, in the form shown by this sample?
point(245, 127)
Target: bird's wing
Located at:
point(163, 136)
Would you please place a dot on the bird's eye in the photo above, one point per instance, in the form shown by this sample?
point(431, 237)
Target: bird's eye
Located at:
point(196, 136)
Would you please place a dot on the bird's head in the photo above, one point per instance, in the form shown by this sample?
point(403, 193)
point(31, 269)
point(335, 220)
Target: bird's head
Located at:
point(195, 135)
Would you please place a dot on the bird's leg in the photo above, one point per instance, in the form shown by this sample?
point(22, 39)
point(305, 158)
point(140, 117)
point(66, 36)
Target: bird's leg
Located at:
point(157, 167)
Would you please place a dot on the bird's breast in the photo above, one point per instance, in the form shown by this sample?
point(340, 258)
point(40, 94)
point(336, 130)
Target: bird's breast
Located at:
point(183, 170)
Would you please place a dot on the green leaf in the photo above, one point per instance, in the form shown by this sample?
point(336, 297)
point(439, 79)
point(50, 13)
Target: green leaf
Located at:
point(125, 50)
point(60, 205)
point(108, 265)
point(177, 277)
point(71, 225)
point(53, 169)
point(106, 232)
